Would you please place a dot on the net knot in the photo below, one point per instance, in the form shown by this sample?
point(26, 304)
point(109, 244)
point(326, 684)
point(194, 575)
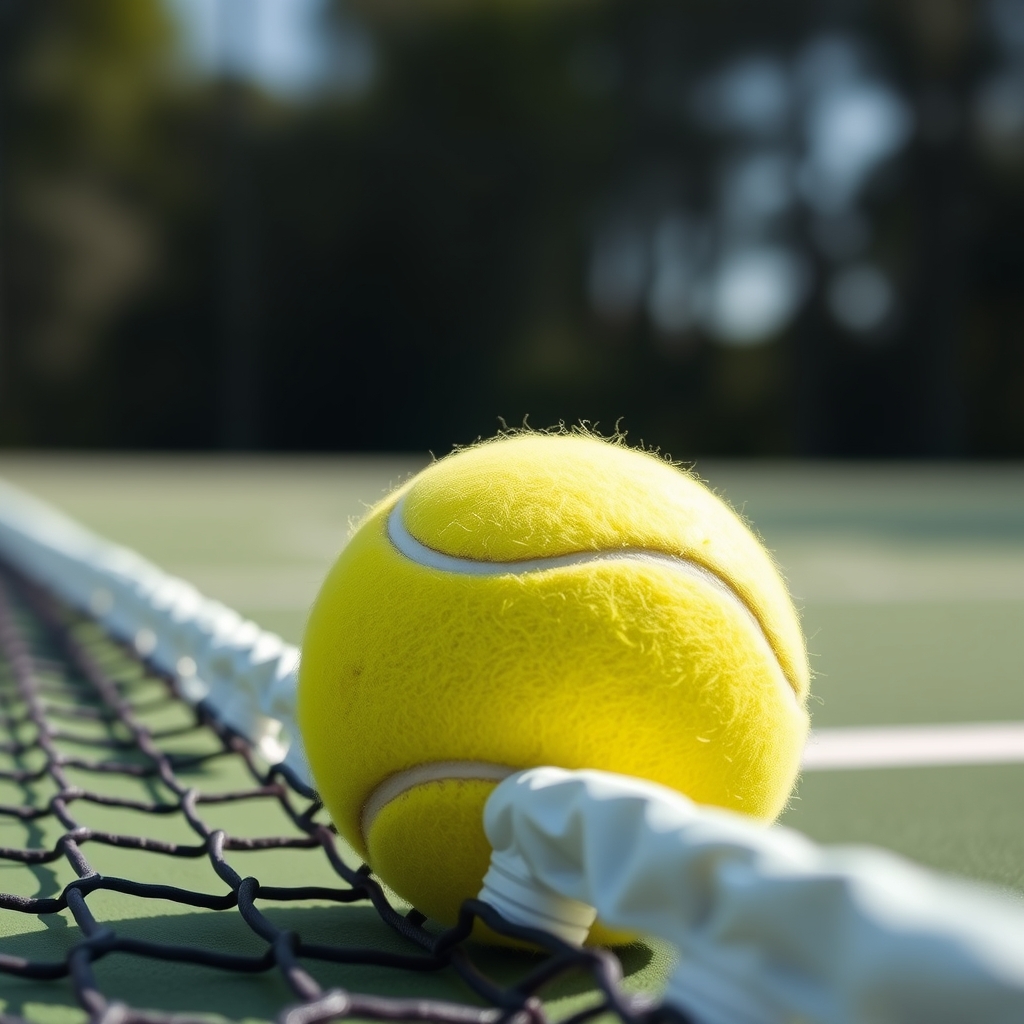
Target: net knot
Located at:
point(102, 941)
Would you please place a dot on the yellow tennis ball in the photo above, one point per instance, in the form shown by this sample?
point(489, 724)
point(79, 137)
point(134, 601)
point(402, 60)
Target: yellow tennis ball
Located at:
point(543, 600)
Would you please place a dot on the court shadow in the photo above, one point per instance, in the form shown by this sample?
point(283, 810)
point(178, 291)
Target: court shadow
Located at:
point(186, 988)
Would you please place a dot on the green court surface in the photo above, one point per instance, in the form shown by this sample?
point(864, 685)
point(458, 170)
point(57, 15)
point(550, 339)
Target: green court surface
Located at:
point(910, 580)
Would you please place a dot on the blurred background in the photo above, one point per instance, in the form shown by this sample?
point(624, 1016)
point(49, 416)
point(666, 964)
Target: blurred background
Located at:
point(740, 227)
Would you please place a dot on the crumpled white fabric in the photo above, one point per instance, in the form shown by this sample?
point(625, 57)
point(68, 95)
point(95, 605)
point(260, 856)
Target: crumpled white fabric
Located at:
point(770, 927)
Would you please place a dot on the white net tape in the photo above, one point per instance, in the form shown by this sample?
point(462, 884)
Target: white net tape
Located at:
point(771, 928)
point(246, 675)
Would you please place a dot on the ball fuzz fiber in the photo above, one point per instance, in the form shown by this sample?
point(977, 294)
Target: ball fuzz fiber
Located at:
point(543, 600)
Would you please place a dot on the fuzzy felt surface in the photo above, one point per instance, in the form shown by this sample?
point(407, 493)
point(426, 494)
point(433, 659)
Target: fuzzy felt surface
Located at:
point(622, 665)
point(537, 495)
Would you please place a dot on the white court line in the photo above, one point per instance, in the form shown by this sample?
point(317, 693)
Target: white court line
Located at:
point(914, 745)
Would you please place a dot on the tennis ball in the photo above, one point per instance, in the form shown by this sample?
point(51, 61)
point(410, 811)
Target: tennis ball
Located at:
point(543, 600)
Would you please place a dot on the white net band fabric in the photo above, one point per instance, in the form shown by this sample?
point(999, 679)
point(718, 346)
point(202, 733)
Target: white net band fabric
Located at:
point(246, 675)
point(770, 927)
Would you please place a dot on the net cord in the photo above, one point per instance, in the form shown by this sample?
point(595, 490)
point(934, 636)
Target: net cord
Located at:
point(27, 702)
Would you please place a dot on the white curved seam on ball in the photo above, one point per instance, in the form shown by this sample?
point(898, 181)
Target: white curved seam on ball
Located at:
point(432, 771)
point(416, 551)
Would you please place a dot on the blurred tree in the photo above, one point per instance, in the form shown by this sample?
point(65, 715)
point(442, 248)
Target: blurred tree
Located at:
point(746, 228)
point(82, 161)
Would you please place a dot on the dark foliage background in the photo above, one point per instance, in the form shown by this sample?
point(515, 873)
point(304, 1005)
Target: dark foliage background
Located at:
point(635, 210)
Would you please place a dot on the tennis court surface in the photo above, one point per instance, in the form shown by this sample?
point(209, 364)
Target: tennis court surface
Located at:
point(911, 584)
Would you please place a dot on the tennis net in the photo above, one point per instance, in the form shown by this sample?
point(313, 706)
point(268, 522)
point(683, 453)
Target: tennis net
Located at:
point(122, 691)
point(126, 697)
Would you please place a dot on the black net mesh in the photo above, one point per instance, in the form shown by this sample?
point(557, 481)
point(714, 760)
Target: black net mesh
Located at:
point(65, 689)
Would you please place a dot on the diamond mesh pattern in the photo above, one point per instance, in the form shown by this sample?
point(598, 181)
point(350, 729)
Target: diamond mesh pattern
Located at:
point(63, 684)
